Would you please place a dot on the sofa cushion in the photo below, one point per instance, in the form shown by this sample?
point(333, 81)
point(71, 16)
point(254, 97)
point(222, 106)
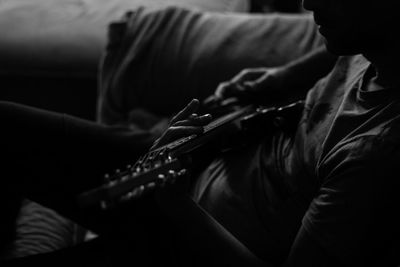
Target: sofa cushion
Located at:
point(66, 37)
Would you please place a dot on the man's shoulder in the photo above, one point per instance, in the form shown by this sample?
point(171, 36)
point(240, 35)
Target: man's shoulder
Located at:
point(352, 64)
point(357, 59)
point(371, 149)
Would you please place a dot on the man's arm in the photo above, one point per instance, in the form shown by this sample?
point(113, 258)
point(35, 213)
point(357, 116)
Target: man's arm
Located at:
point(351, 221)
point(277, 84)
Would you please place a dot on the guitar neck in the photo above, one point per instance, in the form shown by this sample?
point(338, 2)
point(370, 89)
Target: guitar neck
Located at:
point(189, 143)
point(164, 164)
point(147, 169)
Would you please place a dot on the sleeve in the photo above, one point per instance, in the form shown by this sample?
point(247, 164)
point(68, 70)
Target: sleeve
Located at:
point(352, 217)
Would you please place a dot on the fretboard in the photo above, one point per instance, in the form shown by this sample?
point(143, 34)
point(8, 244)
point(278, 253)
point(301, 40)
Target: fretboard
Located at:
point(186, 144)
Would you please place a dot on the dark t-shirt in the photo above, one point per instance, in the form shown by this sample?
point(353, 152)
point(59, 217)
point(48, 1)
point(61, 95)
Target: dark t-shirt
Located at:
point(353, 215)
point(337, 175)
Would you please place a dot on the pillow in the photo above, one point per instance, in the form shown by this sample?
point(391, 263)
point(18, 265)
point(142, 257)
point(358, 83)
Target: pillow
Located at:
point(40, 230)
point(158, 60)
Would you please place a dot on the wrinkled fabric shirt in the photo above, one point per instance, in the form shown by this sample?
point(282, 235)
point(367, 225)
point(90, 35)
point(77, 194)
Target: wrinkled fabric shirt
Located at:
point(336, 176)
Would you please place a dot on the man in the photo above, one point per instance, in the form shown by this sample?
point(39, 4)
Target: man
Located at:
point(328, 195)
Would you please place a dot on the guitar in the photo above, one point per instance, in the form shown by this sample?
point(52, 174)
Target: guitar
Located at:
point(165, 164)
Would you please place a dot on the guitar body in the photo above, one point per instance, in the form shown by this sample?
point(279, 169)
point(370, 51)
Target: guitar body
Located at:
point(168, 163)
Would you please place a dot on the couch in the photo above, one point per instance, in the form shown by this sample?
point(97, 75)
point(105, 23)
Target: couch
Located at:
point(121, 68)
point(50, 51)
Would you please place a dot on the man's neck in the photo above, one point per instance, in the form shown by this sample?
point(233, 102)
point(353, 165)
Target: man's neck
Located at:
point(386, 66)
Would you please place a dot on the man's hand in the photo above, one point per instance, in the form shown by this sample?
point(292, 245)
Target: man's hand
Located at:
point(250, 85)
point(185, 123)
point(268, 85)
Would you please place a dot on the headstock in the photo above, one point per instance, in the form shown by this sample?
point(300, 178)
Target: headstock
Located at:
point(154, 169)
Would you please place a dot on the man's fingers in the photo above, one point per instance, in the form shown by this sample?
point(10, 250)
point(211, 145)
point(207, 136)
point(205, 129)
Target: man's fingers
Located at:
point(235, 87)
point(211, 101)
point(193, 125)
point(249, 75)
point(176, 132)
point(194, 120)
point(184, 113)
point(228, 89)
point(222, 89)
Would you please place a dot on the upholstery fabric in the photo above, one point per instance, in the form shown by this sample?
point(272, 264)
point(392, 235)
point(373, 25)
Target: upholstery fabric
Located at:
point(66, 37)
point(41, 230)
point(158, 60)
point(49, 56)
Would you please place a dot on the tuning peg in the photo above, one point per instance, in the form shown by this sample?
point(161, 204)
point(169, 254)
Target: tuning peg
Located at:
point(168, 159)
point(182, 172)
point(138, 169)
point(161, 154)
point(161, 179)
point(150, 186)
point(135, 193)
point(128, 196)
point(141, 189)
point(172, 176)
point(107, 178)
point(125, 177)
point(104, 205)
